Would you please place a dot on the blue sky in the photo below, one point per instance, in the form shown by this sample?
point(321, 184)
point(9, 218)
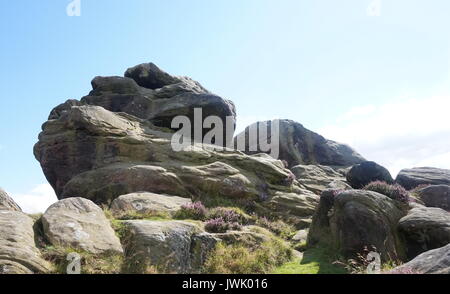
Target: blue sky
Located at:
point(380, 83)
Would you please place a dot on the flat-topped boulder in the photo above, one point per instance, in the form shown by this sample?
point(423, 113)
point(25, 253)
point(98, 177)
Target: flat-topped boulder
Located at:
point(414, 177)
point(318, 178)
point(147, 203)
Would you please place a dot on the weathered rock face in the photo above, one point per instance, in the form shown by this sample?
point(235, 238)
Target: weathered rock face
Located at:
point(148, 203)
point(318, 178)
point(151, 94)
point(300, 146)
point(362, 174)
point(424, 229)
point(18, 251)
point(352, 220)
point(411, 178)
point(168, 246)
point(7, 203)
point(100, 155)
point(79, 223)
point(436, 196)
point(435, 261)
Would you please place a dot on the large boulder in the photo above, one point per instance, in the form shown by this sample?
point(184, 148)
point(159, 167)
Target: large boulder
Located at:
point(101, 155)
point(166, 246)
point(353, 220)
point(146, 203)
point(412, 178)
point(18, 251)
point(300, 146)
point(318, 178)
point(80, 224)
point(435, 261)
point(424, 229)
point(435, 196)
point(7, 203)
point(366, 172)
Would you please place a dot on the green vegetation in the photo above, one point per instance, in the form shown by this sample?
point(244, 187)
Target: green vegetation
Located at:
point(277, 227)
point(314, 261)
point(108, 263)
point(239, 259)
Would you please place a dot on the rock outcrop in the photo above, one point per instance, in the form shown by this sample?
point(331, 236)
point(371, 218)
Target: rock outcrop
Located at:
point(435, 261)
point(80, 224)
point(435, 196)
point(18, 251)
point(366, 172)
point(350, 221)
point(124, 147)
point(412, 178)
point(318, 178)
point(7, 203)
point(425, 229)
point(148, 203)
point(300, 146)
point(151, 94)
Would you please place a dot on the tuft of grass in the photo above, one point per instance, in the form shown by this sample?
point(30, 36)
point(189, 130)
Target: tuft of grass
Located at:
point(107, 263)
point(315, 261)
point(278, 227)
point(239, 259)
point(148, 215)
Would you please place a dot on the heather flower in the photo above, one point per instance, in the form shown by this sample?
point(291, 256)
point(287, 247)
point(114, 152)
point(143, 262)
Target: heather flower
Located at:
point(195, 211)
point(395, 192)
point(230, 215)
point(219, 225)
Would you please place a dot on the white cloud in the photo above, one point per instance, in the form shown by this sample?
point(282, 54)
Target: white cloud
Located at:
point(37, 200)
point(401, 134)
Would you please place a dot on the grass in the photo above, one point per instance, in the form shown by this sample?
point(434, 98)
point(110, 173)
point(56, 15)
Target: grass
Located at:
point(107, 263)
point(239, 259)
point(278, 227)
point(315, 261)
